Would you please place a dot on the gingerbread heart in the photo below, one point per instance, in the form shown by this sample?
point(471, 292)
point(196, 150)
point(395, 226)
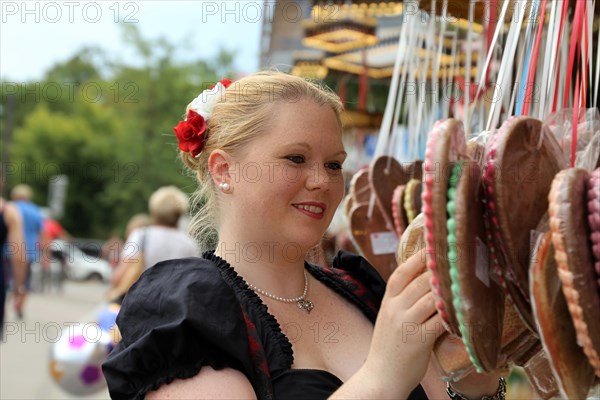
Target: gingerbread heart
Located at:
point(412, 199)
point(521, 163)
point(412, 239)
point(385, 174)
point(414, 169)
point(445, 146)
point(360, 190)
point(398, 211)
point(376, 243)
point(573, 254)
point(347, 206)
point(593, 207)
point(557, 333)
point(478, 300)
point(451, 357)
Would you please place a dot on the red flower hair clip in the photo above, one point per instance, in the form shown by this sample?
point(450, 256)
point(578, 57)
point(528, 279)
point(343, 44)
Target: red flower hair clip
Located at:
point(191, 132)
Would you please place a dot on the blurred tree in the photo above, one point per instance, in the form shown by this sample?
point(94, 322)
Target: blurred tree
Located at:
point(110, 130)
point(79, 146)
point(83, 66)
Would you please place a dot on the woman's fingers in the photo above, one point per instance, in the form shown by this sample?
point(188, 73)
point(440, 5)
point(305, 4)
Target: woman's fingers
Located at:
point(405, 274)
point(413, 292)
point(434, 328)
point(423, 309)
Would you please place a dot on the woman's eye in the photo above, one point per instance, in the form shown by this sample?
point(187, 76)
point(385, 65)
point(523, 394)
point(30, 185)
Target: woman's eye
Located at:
point(296, 159)
point(334, 166)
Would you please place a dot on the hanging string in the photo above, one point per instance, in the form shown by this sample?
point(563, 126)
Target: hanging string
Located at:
point(532, 69)
point(411, 42)
point(491, 33)
point(552, 34)
point(467, 114)
point(435, 77)
point(563, 20)
point(393, 101)
point(589, 36)
point(575, 35)
point(528, 52)
point(575, 122)
point(453, 73)
point(505, 68)
point(421, 114)
point(491, 50)
point(597, 79)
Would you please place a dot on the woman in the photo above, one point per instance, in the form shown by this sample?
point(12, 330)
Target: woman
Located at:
point(157, 241)
point(251, 319)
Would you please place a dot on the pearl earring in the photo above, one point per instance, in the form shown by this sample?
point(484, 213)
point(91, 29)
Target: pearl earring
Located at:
point(224, 186)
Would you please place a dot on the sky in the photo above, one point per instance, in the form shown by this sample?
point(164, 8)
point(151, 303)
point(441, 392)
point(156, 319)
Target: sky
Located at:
point(34, 35)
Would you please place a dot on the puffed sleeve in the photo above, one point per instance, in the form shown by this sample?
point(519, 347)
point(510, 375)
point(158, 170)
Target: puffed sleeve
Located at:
point(178, 317)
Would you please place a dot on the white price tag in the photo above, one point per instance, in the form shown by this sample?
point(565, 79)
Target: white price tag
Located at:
point(384, 243)
point(482, 269)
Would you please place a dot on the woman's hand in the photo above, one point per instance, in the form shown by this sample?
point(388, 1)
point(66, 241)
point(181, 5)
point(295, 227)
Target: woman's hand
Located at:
point(472, 386)
point(406, 329)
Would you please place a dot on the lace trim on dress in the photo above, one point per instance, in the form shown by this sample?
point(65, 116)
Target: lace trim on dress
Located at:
point(252, 302)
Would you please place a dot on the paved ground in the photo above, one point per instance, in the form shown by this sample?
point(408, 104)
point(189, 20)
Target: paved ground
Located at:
point(24, 352)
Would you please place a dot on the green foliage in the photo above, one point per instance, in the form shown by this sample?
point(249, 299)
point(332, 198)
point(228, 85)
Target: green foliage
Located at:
point(108, 126)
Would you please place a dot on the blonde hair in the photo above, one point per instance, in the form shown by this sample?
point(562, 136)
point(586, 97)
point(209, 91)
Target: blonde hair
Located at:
point(21, 192)
point(242, 114)
point(167, 205)
point(137, 221)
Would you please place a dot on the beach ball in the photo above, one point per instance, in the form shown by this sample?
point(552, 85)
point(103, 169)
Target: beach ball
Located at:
point(76, 358)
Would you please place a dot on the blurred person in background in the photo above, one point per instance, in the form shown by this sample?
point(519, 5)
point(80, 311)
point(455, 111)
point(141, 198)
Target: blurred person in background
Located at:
point(11, 235)
point(33, 223)
point(159, 241)
point(51, 231)
point(112, 248)
point(140, 220)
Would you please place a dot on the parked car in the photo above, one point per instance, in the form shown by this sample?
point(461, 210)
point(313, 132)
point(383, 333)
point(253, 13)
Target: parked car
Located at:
point(79, 264)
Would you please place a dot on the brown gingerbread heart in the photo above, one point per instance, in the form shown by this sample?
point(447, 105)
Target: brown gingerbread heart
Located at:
point(478, 299)
point(573, 254)
point(414, 169)
point(347, 206)
point(376, 243)
point(412, 240)
point(522, 160)
point(445, 146)
point(593, 207)
point(557, 333)
point(385, 174)
point(398, 211)
point(412, 199)
point(360, 190)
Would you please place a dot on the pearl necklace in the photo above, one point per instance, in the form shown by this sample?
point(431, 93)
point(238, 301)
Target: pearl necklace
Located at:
point(303, 303)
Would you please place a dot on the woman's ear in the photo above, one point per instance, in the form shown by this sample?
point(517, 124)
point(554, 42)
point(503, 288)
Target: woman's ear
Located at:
point(219, 165)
